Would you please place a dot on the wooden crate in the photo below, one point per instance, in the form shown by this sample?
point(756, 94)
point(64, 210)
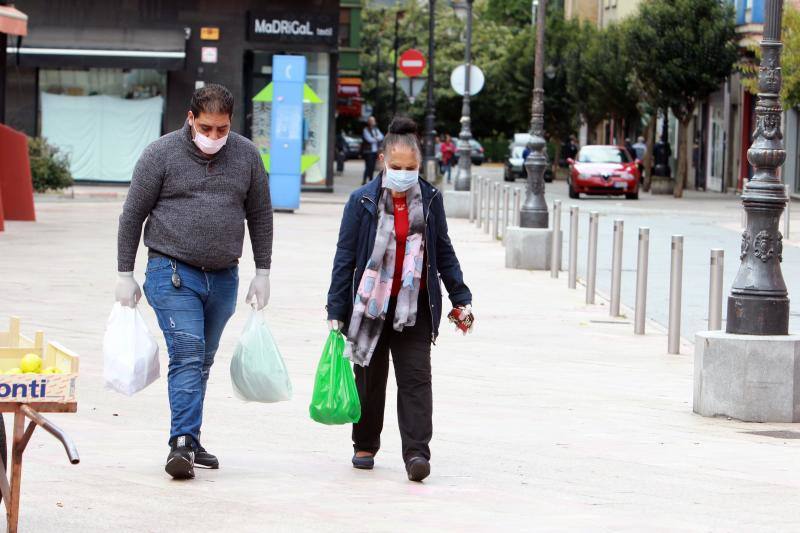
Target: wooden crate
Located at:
point(34, 388)
point(13, 338)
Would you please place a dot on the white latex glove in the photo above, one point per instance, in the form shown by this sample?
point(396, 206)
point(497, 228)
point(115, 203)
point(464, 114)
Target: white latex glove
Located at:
point(258, 295)
point(335, 325)
point(127, 292)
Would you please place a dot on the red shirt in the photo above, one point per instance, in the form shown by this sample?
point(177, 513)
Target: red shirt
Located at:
point(448, 151)
point(401, 227)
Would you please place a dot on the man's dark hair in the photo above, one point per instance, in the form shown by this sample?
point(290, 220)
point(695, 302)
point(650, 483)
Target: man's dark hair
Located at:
point(212, 98)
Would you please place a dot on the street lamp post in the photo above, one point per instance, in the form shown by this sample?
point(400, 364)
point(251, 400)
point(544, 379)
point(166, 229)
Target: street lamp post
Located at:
point(533, 213)
point(397, 16)
point(430, 116)
point(464, 177)
point(759, 303)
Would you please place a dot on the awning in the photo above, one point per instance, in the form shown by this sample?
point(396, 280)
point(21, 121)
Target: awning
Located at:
point(13, 21)
point(67, 47)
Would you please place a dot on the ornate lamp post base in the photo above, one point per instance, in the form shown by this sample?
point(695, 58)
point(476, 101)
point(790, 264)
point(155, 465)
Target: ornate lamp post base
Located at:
point(751, 371)
point(759, 304)
point(533, 213)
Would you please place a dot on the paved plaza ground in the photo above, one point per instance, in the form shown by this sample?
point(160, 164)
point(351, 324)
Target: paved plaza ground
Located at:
point(550, 417)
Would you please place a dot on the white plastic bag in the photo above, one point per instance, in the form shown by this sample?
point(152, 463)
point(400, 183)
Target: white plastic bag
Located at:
point(258, 373)
point(130, 353)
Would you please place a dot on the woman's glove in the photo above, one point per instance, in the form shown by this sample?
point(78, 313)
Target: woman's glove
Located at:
point(258, 295)
point(127, 292)
point(463, 318)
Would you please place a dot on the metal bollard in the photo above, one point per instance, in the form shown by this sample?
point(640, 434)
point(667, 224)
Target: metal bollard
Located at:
point(487, 193)
point(675, 293)
point(506, 209)
point(574, 212)
point(514, 203)
point(518, 205)
point(641, 281)
point(478, 202)
point(489, 209)
point(472, 196)
point(493, 196)
point(555, 251)
point(486, 197)
point(591, 259)
point(715, 290)
point(616, 268)
point(787, 214)
point(497, 197)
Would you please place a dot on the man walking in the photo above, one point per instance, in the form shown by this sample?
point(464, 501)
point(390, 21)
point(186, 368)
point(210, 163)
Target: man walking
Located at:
point(195, 186)
point(372, 138)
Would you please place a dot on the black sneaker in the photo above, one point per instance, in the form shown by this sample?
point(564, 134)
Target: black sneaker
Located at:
point(180, 461)
point(205, 459)
point(418, 468)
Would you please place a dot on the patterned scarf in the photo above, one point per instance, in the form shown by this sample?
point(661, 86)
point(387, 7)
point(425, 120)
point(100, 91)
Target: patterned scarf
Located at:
point(375, 288)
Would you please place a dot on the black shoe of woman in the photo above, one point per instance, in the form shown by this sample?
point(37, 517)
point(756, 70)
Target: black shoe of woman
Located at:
point(363, 463)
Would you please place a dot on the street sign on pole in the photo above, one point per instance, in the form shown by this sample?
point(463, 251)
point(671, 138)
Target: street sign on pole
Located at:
point(411, 63)
point(412, 87)
point(476, 79)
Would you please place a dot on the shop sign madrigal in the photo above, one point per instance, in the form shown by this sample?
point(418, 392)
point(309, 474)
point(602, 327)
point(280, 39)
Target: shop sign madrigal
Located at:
point(287, 27)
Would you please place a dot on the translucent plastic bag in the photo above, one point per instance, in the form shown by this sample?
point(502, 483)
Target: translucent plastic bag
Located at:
point(335, 397)
point(258, 373)
point(130, 353)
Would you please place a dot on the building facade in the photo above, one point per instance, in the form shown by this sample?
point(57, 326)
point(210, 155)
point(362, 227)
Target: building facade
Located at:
point(584, 10)
point(612, 11)
point(102, 79)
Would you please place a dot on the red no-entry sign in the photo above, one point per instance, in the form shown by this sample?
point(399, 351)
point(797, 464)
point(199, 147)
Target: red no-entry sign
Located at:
point(411, 63)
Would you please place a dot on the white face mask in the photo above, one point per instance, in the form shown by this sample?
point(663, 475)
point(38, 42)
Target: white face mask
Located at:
point(401, 180)
point(205, 144)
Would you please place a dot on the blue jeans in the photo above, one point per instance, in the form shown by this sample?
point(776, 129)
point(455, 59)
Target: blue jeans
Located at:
point(192, 318)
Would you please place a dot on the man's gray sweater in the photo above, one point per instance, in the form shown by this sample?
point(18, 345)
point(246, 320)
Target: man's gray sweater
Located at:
point(196, 205)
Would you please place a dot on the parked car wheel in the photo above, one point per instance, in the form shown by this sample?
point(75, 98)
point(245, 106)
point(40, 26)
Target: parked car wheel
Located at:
point(508, 175)
point(572, 193)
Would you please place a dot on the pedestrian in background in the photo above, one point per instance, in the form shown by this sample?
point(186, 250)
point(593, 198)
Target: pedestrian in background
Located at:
point(572, 147)
point(448, 153)
point(629, 147)
point(372, 138)
point(393, 247)
point(195, 187)
point(640, 149)
point(341, 151)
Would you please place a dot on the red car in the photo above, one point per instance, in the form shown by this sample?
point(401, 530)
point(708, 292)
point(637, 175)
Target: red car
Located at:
point(604, 170)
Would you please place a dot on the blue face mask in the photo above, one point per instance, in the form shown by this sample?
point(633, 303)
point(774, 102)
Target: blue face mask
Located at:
point(401, 180)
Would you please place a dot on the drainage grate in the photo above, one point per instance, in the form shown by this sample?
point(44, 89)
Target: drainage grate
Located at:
point(776, 434)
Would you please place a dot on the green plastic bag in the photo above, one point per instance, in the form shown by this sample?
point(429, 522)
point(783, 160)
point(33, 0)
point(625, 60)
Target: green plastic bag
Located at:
point(335, 398)
point(258, 373)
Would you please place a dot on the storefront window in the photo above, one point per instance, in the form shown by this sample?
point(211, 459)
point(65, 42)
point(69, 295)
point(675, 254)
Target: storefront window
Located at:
point(102, 118)
point(128, 84)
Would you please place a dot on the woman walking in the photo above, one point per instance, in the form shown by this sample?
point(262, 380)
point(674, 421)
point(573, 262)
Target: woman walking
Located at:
point(386, 297)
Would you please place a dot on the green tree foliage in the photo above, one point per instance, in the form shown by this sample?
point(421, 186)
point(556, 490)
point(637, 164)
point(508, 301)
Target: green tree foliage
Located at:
point(587, 73)
point(49, 167)
point(511, 12)
point(682, 50)
point(790, 60)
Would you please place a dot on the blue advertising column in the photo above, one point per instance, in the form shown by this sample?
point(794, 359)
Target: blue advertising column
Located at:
point(286, 131)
